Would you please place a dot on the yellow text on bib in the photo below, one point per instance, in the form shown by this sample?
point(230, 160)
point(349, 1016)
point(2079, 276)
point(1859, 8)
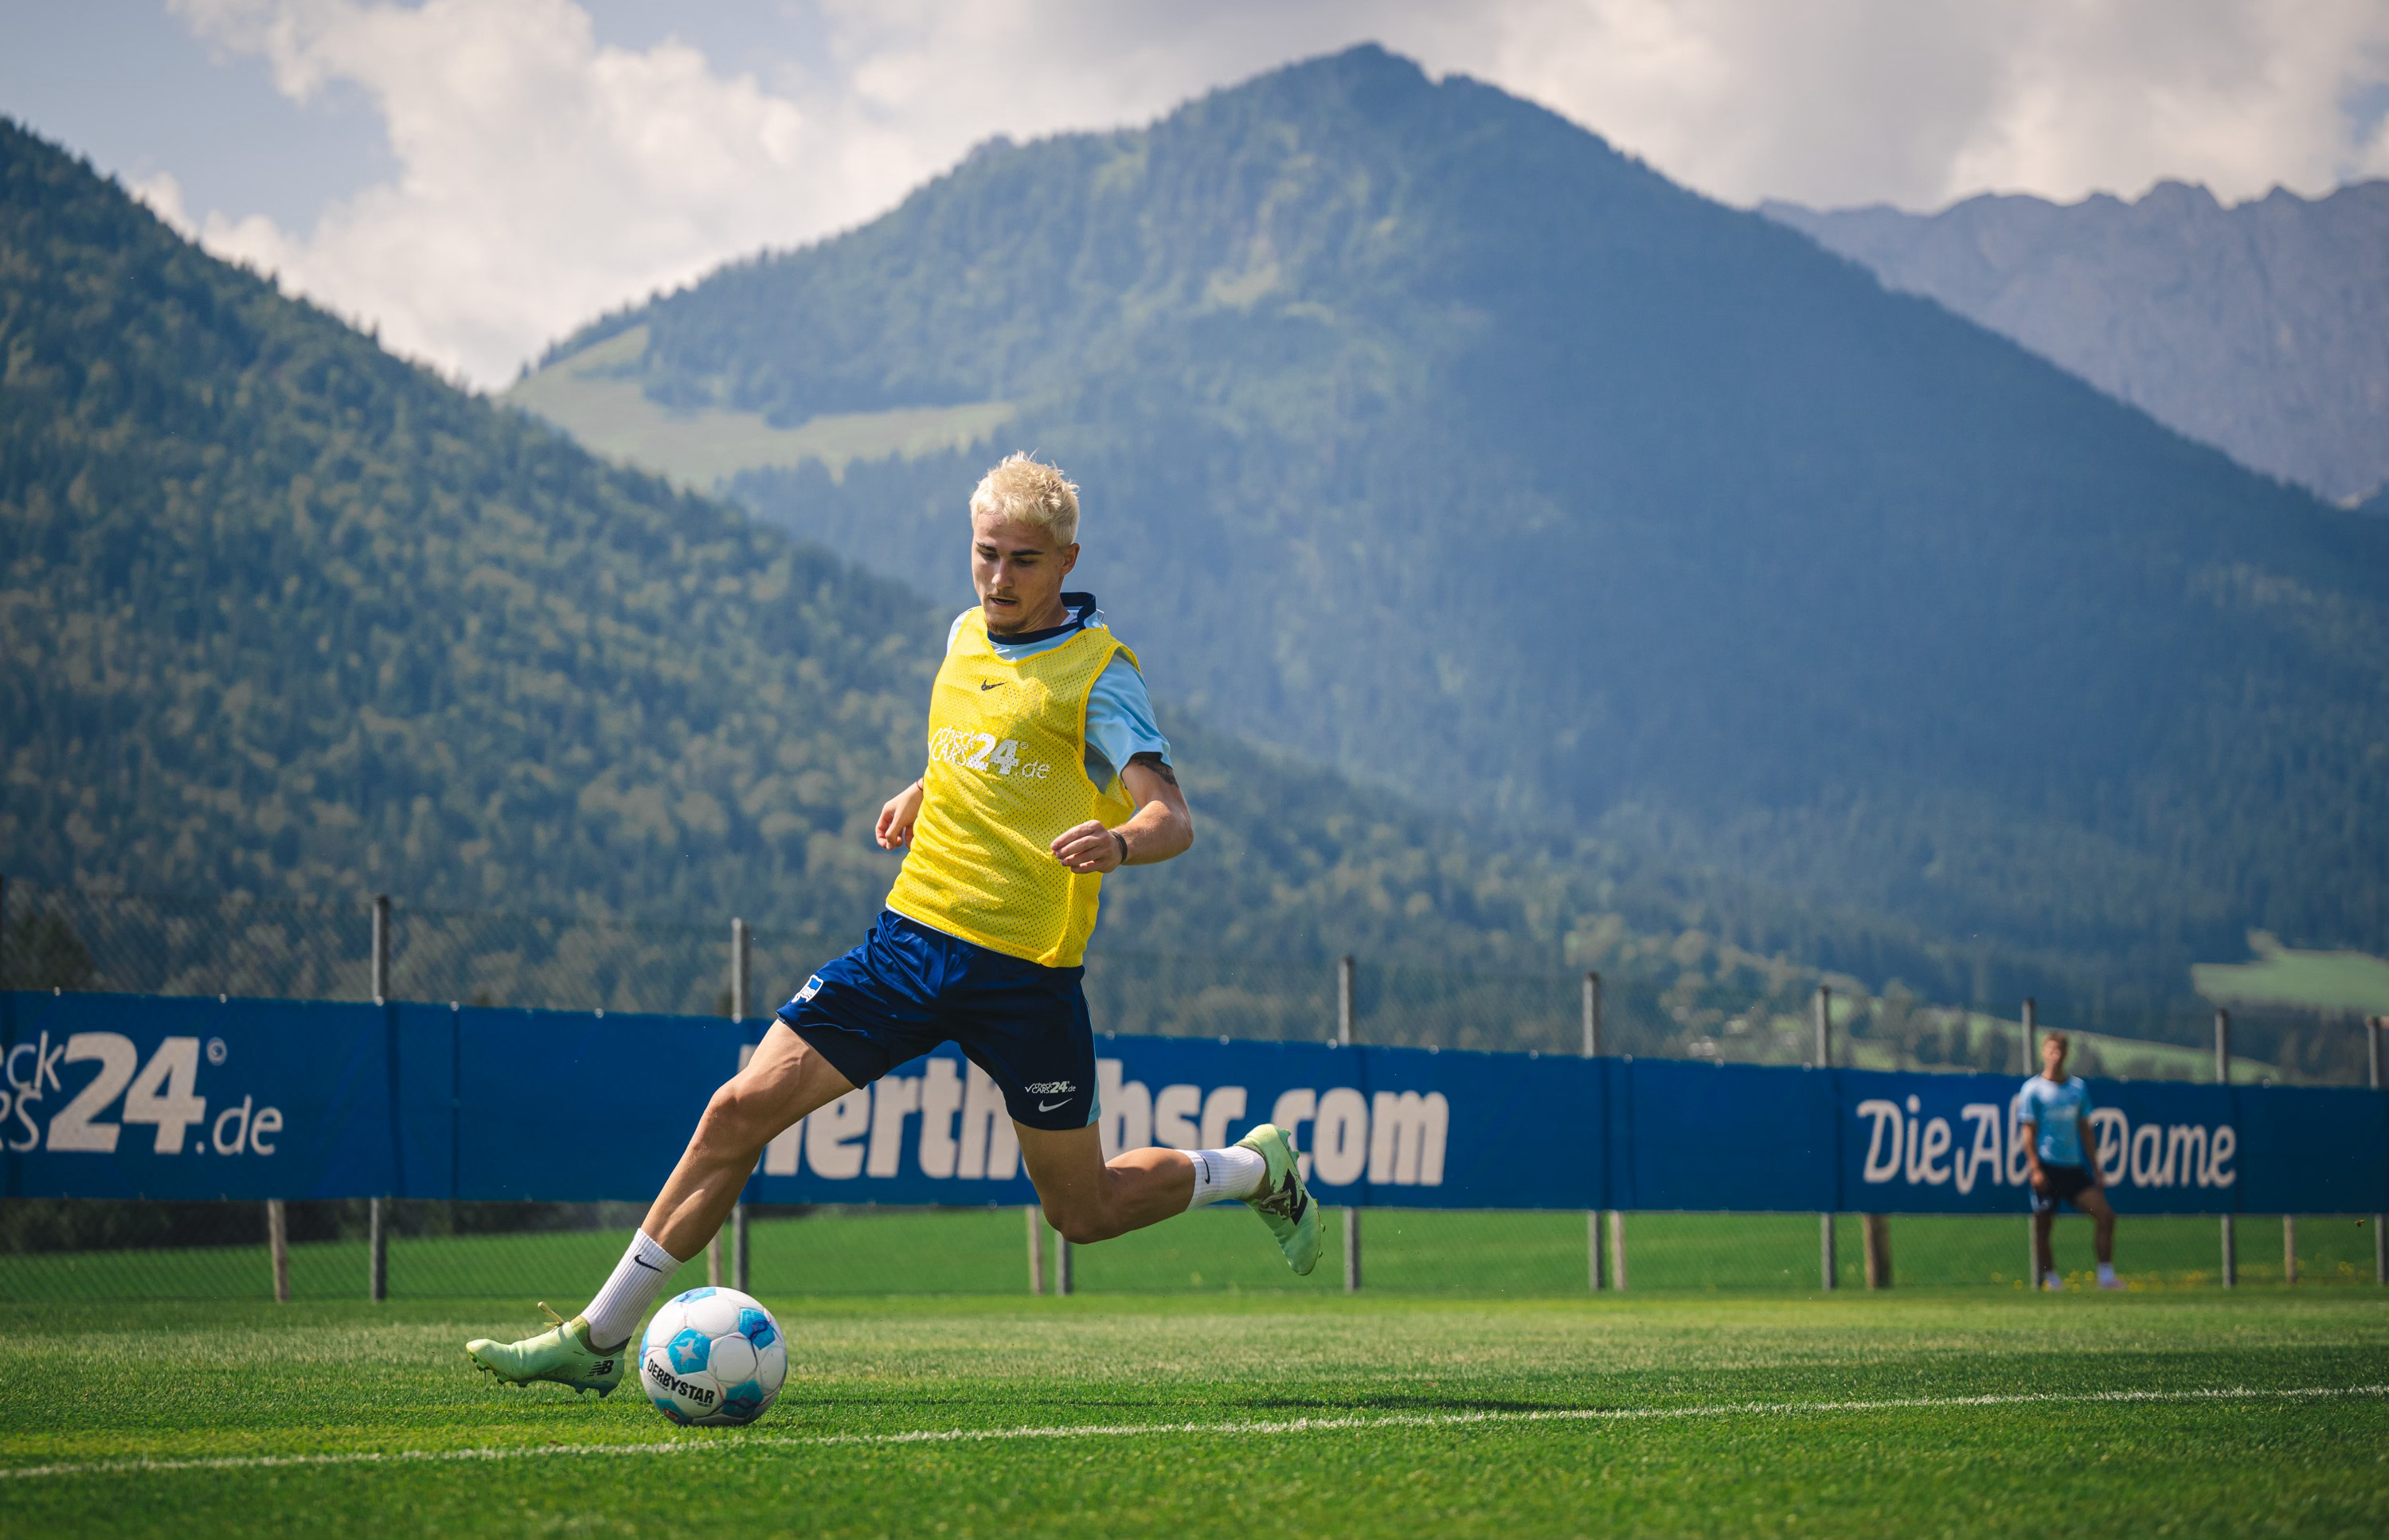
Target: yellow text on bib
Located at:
point(1007, 774)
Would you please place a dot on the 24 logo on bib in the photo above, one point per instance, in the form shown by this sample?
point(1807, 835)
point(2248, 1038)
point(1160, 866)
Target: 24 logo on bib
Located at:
point(985, 753)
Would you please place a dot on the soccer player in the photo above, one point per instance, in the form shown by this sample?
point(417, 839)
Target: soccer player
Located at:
point(2062, 1145)
point(1045, 772)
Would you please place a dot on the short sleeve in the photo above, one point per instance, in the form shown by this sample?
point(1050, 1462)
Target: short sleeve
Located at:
point(1119, 720)
point(955, 630)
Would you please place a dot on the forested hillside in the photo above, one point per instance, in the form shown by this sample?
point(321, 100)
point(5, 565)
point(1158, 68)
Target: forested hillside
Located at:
point(2262, 328)
point(1426, 435)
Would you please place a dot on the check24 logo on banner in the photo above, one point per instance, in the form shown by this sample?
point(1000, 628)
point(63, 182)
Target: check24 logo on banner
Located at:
point(161, 1094)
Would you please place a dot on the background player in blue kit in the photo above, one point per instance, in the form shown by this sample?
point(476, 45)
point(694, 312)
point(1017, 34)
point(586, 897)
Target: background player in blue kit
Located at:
point(2062, 1145)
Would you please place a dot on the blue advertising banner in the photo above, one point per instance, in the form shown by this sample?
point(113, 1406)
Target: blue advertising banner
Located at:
point(1378, 1125)
point(1707, 1135)
point(1950, 1144)
point(110, 1096)
point(579, 1105)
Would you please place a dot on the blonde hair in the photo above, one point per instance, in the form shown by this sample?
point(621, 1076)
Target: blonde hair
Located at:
point(1033, 492)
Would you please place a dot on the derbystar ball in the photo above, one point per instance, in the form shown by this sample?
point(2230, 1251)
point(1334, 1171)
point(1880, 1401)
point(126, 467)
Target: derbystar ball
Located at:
point(712, 1359)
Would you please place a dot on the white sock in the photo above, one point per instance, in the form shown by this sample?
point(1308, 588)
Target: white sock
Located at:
point(2106, 1272)
point(642, 1274)
point(1235, 1171)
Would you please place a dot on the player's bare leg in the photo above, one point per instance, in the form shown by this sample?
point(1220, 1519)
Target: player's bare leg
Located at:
point(1088, 1199)
point(2103, 1222)
point(2103, 1234)
point(783, 1080)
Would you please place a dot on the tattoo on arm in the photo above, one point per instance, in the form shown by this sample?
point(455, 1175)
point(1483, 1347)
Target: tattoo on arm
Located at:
point(1155, 763)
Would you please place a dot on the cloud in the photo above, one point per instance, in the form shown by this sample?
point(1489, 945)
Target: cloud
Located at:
point(546, 176)
point(1849, 101)
point(543, 178)
point(164, 193)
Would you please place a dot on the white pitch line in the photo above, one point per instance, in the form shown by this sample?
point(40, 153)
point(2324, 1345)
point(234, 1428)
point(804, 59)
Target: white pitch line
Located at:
point(1141, 1430)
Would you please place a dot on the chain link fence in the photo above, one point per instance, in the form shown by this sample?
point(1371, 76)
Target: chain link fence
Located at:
point(72, 938)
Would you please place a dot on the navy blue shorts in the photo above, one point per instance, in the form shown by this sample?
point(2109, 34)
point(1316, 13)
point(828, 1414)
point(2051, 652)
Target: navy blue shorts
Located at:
point(909, 989)
point(2066, 1185)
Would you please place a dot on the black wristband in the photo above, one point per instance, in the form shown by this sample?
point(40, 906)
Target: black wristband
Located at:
point(1123, 845)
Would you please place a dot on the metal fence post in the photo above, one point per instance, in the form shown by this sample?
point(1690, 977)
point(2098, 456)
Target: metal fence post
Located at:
point(1592, 1051)
point(1616, 1250)
point(2289, 1248)
point(1036, 1248)
point(376, 1218)
point(741, 954)
point(1061, 1263)
point(2373, 1028)
point(1878, 1250)
point(1351, 1211)
point(381, 948)
point(277, 1247)
point(738, 1252)
point(2223, 1077)
point(1827, 1264)
point(377, 1250)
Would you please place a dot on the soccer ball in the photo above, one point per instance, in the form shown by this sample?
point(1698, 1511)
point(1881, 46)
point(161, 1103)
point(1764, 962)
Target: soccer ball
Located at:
point(713, 1358)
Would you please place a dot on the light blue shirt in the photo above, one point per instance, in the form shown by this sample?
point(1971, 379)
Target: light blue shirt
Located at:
point(2056, 1112)
point(1120, 713)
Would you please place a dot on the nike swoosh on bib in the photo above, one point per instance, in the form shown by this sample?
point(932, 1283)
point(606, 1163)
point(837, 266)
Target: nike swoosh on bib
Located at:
point(1047, 1107)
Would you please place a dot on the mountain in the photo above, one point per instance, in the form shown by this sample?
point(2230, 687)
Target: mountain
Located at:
point(2262, 328)
point(285, 615)
point(1427, 436)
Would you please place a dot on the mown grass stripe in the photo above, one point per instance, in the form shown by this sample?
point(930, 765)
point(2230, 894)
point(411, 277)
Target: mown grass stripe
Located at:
point(1140, 1429)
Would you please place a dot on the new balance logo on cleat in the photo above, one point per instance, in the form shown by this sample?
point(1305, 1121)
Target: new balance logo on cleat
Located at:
point(1288, 1202)
point(1283, 1202)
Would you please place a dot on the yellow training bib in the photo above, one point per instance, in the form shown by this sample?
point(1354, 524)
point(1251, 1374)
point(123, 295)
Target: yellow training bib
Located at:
point(1007, 774)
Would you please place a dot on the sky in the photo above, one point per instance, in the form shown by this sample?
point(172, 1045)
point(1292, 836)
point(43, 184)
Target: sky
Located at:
point(477, 178)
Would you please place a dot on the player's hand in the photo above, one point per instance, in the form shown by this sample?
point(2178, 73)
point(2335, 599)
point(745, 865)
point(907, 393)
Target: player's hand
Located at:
point(2039, 1180)
point(1088, 847)
point(896, 819)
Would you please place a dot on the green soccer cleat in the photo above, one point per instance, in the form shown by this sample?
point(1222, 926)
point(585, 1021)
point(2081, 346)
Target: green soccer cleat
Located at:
point(1284, 1203)
point(562, 1353)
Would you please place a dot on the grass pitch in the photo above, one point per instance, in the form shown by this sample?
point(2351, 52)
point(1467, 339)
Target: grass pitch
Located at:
point(981, 1251)
point(2180, 1411)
